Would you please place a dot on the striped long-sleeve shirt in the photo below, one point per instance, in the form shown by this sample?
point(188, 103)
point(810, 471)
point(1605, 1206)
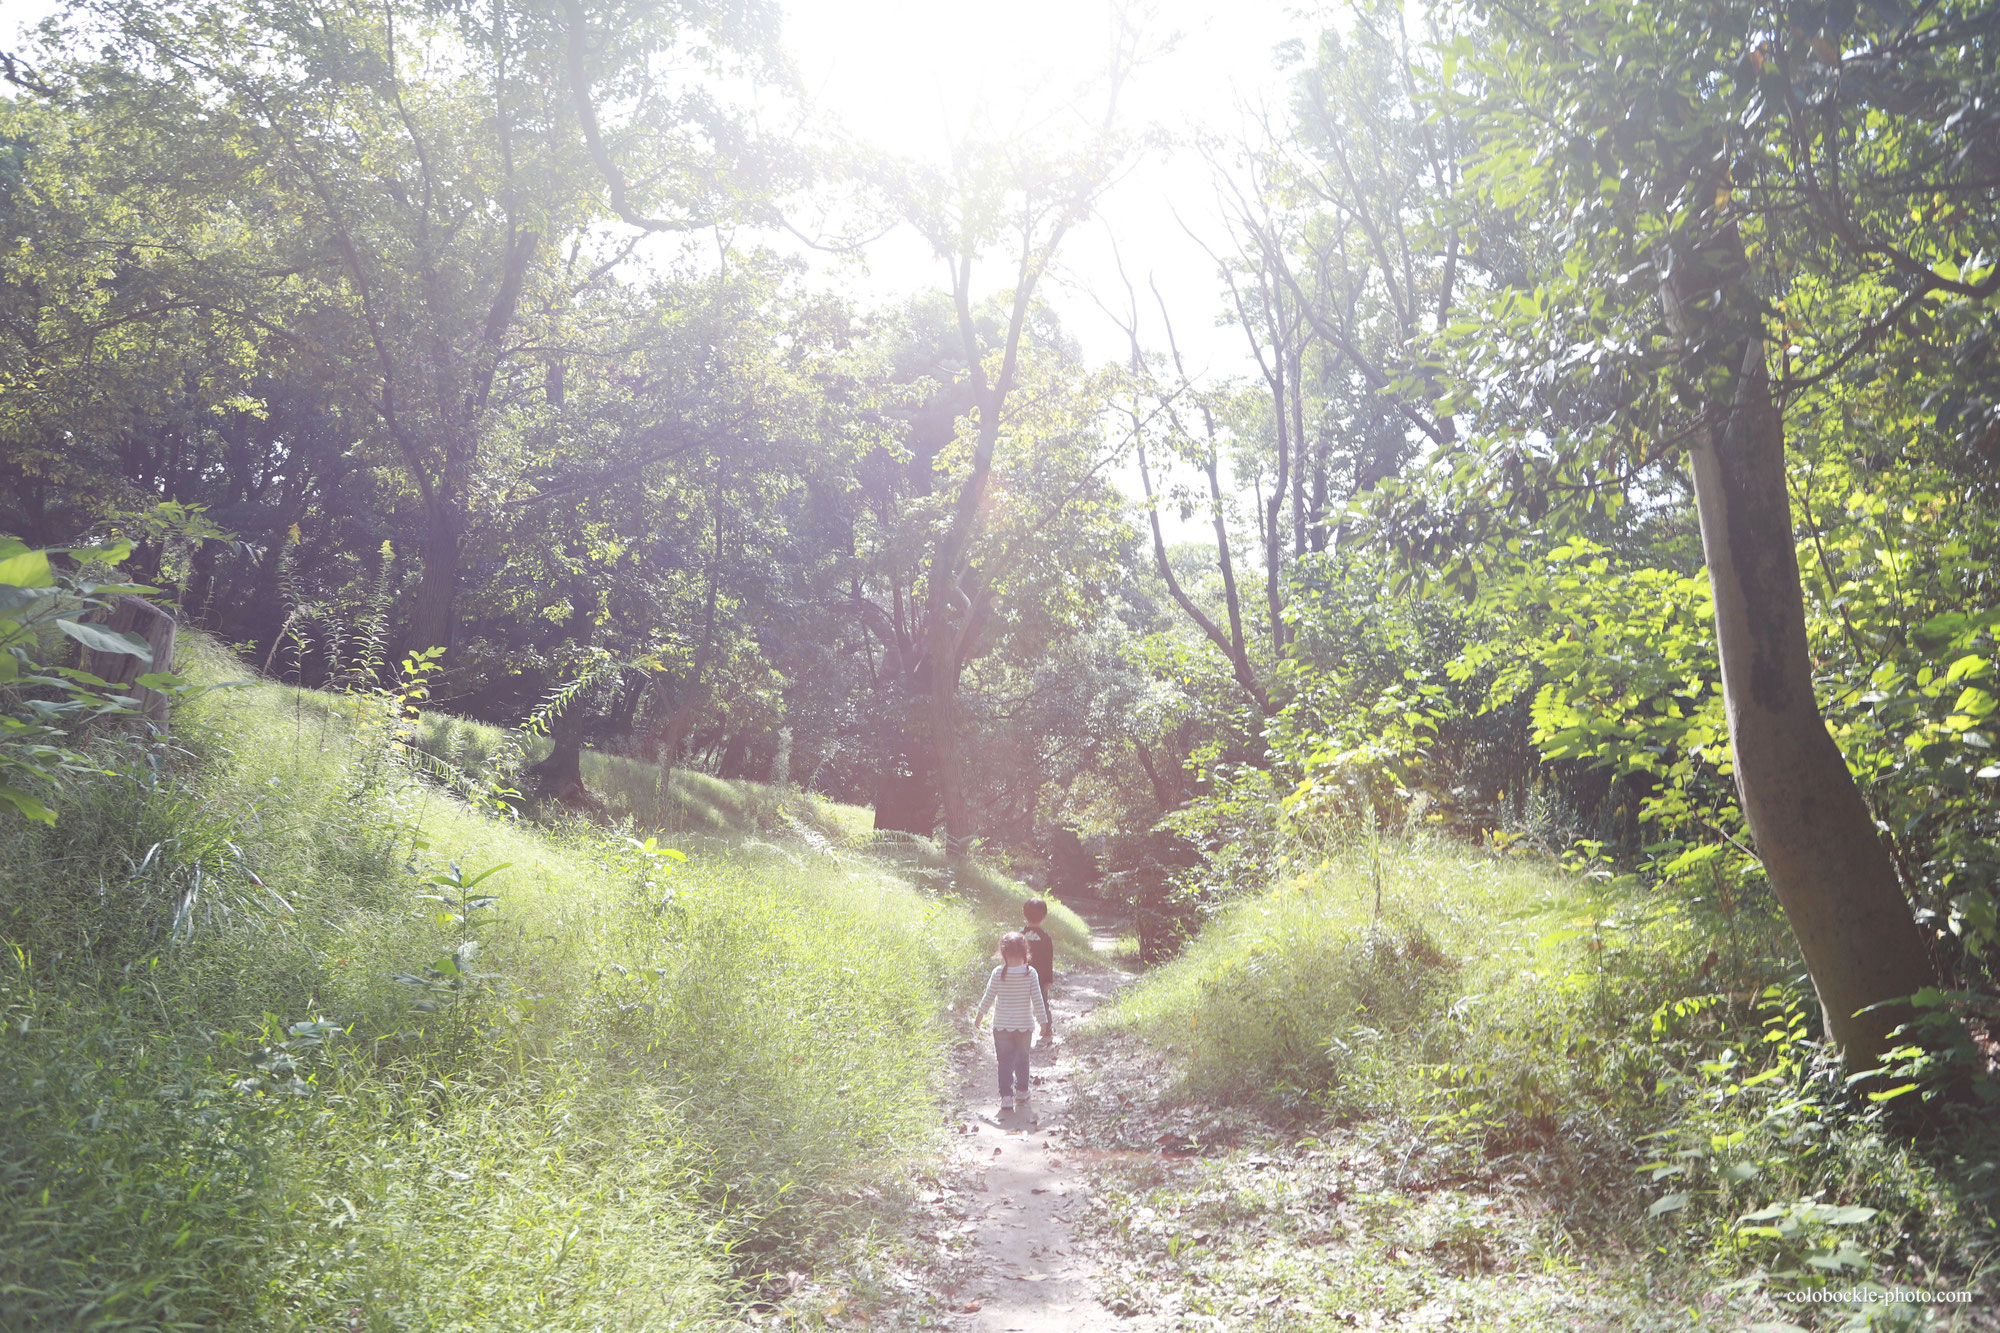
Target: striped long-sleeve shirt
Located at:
point(1014, 994)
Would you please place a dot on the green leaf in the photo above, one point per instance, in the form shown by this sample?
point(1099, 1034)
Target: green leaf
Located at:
point(27, 805)
point(1668, 1203)
point(102, 640)
point(107, 555)
point(13, 599)
point(26, 569)
point(1970, 665)
point(1847, 1256)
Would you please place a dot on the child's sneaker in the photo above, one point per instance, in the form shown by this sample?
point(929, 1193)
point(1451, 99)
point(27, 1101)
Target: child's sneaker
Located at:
point(1006, 1104)
point(1023, 1103)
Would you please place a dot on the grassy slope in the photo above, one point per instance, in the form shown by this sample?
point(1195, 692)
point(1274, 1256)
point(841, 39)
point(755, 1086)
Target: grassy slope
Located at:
point(685, 802)
point(1452, 1104)
point(668, 1077)
point(694, 807)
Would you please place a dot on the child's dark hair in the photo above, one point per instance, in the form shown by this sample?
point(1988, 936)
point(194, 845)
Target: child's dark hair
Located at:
point(1035, 910)
point(1013, 947)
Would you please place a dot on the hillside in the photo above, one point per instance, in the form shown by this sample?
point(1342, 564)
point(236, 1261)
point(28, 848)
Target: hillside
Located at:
point(294, 1037)
point(1432, 1086)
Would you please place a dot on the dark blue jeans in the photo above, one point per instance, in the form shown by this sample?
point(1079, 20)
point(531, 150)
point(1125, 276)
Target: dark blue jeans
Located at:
point(1011, 1050)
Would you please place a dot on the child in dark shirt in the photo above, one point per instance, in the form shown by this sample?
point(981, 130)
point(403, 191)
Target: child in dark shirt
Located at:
point(1041, 946)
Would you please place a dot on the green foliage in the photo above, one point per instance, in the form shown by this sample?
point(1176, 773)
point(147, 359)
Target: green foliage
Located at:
point(546, 1099)
point(1647, 1069)
point(45, 701)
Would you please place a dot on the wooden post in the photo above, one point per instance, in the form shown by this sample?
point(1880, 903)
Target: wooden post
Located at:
point(136, 615)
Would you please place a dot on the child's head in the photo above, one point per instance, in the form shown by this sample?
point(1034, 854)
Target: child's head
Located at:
point(1035, 910)
point(1013, 948)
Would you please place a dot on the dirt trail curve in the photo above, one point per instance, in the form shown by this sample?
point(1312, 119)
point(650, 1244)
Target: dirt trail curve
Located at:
point(1032, 1276)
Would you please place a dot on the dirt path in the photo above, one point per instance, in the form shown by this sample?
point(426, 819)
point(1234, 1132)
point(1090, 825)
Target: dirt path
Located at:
point(1029, 1272)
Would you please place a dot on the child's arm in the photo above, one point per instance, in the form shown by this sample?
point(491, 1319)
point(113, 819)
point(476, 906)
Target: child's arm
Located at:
point(986, 1000)
point(1035, 999)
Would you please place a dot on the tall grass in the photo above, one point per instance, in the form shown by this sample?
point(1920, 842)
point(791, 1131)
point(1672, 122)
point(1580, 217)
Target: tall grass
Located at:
point(678, 801)
point(1645, 1060)
point(261, 1066)
point(1290, 997)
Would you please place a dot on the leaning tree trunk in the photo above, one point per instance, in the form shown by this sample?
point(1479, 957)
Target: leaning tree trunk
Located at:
point(1813, 832)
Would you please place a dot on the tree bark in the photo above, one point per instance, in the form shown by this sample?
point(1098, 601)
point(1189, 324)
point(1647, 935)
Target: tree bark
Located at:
point(136, 615)
point(1813, 832)
point(434, 616)
point(906, 802)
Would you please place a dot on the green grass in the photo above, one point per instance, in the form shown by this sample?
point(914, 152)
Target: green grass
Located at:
point(999, 896)
point(1521, 1097)
point(643, 1085)
point(1251, 1007)
point(681, 802)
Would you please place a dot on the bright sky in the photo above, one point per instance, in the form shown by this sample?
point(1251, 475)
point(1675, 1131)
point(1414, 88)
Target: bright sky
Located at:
point(907, 76)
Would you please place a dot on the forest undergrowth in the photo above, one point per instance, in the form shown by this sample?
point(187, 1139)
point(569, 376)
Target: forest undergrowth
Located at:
point(1512, 1096)
point(294, 1038)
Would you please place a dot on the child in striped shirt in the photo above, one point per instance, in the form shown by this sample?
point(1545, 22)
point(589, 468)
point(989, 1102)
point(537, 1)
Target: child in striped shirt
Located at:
point(1014, 994)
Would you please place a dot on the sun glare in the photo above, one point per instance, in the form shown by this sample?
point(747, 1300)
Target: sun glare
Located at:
point(910, 78)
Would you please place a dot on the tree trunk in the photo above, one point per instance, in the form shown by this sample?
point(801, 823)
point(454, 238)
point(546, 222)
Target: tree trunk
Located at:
point(559, 777)
point(433, 620)
point(1813, 832)
point(136, 615)
point(735, 751)
point(949, 757)
point(906, 802)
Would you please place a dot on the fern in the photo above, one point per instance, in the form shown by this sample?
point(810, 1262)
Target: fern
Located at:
point(372, 642)
point(299, 613)
point(559, 699)
point(510, 757)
